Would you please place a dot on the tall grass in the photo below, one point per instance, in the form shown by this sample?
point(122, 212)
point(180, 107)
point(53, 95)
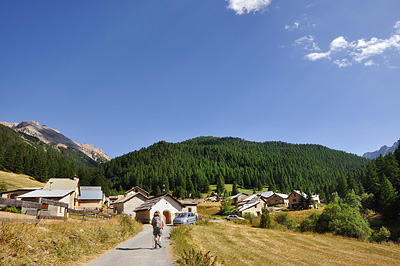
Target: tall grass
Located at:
point(61, 242)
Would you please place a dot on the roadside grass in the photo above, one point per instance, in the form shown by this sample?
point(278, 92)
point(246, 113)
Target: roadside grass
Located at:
point(244, 245)
point(15, 181)
point(208, 209)
point(62, 242)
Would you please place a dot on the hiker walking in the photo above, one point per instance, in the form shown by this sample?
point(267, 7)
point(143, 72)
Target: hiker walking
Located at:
point(158, 224)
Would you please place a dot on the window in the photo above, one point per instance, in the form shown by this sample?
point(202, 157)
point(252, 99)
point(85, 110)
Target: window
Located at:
point(294, 200)
point(190, 209)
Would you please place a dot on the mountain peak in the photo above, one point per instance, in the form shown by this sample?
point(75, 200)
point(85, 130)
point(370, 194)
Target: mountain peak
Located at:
point(54, 137)
point(384, 150)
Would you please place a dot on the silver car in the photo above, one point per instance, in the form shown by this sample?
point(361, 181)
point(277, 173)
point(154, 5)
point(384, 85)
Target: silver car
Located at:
point(184, 218)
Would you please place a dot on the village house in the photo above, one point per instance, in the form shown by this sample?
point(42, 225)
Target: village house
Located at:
point(238, 197)
point(274, 198)
point(91, 198)
point(189, 206)
point(136, 190)
point(165, 204)
point(253, 207)
point(13, 194)
point(128, 204)
point(60, 195)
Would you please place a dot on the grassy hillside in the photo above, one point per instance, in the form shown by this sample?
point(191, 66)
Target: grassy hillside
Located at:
point(243, 245)
point(14, 181)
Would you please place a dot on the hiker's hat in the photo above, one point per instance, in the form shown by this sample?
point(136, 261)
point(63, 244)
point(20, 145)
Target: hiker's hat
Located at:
point(156, 213)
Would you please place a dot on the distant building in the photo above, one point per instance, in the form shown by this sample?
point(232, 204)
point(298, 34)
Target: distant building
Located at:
point(91, 198)
point(127, 205)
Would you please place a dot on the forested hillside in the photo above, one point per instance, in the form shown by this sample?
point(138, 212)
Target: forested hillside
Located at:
point(190, 166)
point(23, 154)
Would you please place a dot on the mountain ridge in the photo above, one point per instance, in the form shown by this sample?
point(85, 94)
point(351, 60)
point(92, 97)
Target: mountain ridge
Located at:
point(54, 137)
point(384, 150)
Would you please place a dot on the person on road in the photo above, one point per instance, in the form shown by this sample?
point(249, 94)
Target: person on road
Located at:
point(158, 224)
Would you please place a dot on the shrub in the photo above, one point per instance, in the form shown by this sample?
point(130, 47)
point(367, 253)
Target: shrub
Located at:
point(284, 219)
point(309, 223)
point(265, 219)
point(381, 235)
point(343, 220)
point(197, 258)
point(11, 209)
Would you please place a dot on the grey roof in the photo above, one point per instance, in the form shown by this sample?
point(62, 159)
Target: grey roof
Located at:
point(91, 195)
point(248, 205)
point(189, 202)
point(44, 193)
point(148, 204)
point(267, 194)
point(90, 188)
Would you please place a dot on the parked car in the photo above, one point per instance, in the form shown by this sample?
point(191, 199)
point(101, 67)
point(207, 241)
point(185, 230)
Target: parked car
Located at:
point(184, 218)
point(233, 217)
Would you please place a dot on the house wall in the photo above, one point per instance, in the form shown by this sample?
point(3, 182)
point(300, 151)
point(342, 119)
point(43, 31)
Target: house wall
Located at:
point(255, 210)
point(89, 204)
point(190, 208)
point(143, 216)
point(276, 199)
point(294, 200)
point(167, 204)
point(129, 206)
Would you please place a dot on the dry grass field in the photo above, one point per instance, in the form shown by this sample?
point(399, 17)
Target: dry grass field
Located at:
point(239, 245)
point(14, 181)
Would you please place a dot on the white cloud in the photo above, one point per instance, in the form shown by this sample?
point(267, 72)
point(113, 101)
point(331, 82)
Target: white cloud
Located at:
point(247, 6)
point(308, 42)
point(344, 53)
point(292, 27)
point(338, 44)
point(317, 56)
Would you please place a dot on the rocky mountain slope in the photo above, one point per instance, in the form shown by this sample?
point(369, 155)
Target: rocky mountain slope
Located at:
point(54, 137)
point(383, 150)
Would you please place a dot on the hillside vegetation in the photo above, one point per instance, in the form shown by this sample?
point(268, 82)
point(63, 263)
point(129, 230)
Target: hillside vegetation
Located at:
point(23, 154)
point(243, 245)
point(191, 166)
point(10, 181)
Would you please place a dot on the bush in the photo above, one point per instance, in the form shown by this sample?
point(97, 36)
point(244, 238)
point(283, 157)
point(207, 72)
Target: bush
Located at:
point(284, 219)
point(197, 258)
point(11, 209)
point(343, 220)
point(265, 219)
point(380, 236)
point(309, 223)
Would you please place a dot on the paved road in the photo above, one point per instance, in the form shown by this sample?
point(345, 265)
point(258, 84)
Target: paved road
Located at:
point(138, 250)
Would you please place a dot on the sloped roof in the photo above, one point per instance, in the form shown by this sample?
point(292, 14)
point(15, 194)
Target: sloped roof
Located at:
point(147, 205)
point(300, 193)
point(284, 196)
point(189, 202)
point(139, 189)
point(44, 193)
point(125, 199)
point(248, 205)
point(238, 195)
point(267, 194)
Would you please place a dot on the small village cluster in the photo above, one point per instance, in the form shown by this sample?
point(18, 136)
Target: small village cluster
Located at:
point(68, 191)
point(136, 202)
point(254, 204)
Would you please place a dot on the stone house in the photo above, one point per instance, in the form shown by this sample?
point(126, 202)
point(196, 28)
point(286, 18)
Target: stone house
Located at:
point(127, 205)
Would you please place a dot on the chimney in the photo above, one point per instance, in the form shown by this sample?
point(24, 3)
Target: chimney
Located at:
point(50, 184)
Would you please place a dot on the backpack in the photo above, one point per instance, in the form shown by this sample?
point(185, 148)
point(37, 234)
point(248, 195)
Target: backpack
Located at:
point(157, 221)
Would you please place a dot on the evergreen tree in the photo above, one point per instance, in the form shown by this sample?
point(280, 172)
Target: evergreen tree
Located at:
point(235, 189)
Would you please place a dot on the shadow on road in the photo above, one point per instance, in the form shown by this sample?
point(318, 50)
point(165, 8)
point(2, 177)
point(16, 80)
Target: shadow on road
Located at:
point(130, 249)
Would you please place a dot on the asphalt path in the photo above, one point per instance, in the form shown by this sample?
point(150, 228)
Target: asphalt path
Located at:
point(138, 250)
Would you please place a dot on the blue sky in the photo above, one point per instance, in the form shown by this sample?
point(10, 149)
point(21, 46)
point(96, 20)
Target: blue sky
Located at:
point(125, 74)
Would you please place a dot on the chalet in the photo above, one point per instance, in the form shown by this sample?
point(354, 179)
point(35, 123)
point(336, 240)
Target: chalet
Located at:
point(295, 198)
point(238, 197)
point(274, 198)
point(166, 204)
point(65, 184)
point(91, 198)
point(253, 207)
point(135, 190)
point(13, 194)
point(65, 196)
point(127, 205)
point(189, 206)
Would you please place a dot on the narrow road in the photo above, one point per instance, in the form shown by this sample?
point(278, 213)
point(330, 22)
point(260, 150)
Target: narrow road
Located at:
point(138, 250)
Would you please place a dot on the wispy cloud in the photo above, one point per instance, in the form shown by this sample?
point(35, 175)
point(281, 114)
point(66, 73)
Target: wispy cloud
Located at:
point(344, 53)
point(292, 27)
point(247, 6)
